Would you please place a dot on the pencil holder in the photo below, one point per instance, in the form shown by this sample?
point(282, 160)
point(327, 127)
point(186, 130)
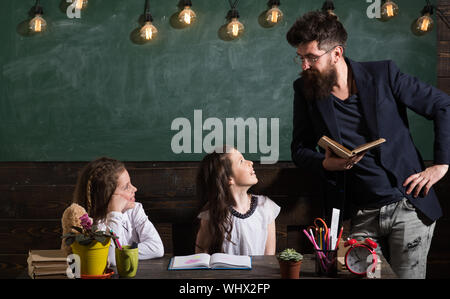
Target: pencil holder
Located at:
point(326, 262)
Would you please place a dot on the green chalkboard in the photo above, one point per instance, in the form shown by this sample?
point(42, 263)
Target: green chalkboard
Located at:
point(86, 88)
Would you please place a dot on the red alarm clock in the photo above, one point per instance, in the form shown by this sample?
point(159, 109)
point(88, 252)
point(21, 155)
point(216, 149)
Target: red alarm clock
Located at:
point(361, 256)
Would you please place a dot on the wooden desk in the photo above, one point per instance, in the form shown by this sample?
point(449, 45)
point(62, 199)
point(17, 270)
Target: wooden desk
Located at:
point(264, 267)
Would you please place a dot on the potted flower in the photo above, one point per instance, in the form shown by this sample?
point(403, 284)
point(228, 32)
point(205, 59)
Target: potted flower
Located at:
point(91, 245)
point(290, 262)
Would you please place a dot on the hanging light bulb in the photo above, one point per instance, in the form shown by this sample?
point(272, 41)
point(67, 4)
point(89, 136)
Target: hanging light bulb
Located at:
point(424, 24)
point(328, 7)
point(235, 28)
point(274, 15)
point(38, 24)
point(187, 15)
point(80, 4)
point(148, 32)
point(389, 10)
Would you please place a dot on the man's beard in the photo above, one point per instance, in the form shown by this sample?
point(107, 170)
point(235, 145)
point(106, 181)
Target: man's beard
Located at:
point(318, 85)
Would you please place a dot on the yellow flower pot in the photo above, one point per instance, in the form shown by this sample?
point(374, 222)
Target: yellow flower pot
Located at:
point(94, 257)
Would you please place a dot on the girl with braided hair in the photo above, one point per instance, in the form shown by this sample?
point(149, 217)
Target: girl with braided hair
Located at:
point(104, 189)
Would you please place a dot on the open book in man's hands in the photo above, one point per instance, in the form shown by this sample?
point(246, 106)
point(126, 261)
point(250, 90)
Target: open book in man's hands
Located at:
point(214, 261)
point(344, 152)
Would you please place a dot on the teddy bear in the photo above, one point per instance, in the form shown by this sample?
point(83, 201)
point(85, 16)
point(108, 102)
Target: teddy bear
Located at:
point(71, 217)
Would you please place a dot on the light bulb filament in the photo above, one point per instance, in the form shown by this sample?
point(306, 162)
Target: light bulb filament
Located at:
point(37, 25)
point(390, 10)
point(274, 18)
point(235, 30)
point(425, 24)
point(79, 4)
point(148, 33)
point(187, 18)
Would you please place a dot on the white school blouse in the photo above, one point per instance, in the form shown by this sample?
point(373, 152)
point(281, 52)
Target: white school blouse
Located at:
point(249, 235)
point(133, 226)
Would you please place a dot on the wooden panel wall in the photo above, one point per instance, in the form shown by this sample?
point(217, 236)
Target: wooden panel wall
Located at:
point(443, 49)
point(439, 257)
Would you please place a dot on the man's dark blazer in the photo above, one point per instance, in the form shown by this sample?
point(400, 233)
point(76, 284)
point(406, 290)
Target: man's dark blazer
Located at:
point(385, 94)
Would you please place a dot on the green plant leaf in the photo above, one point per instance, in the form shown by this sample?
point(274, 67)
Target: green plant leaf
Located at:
point(69, 241)
point(78, 229)
point(67, 235)
point(290, 254)
point(86, 242)
point(81, 238)
point(106, 241)
point(101, 239)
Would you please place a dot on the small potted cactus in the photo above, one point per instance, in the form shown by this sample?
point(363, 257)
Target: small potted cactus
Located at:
point(290, 262)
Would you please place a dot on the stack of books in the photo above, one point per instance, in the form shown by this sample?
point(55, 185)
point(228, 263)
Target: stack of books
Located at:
point(50, 264)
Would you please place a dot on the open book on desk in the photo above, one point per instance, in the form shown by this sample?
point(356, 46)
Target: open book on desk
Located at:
point(214, 261)
point(344, 152)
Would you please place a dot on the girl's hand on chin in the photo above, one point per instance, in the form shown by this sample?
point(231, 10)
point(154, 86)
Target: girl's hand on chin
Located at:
point(120, 202)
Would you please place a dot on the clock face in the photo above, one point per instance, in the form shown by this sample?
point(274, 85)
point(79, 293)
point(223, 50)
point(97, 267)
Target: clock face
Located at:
point(358, 259)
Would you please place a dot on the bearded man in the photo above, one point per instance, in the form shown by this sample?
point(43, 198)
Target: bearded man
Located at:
point(388, 191)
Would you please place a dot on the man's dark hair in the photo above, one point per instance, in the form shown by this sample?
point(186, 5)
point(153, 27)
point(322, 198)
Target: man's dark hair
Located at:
point(317, 26)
